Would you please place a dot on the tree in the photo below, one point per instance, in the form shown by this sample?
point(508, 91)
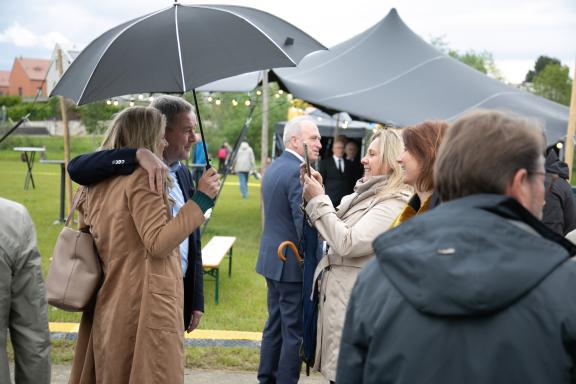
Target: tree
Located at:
point(481, 61)
point(539, 66)
point(553, 82)
point(223, 119)
point(95, 116)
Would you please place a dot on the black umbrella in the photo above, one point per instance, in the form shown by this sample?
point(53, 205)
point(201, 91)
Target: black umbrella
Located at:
point(180, 48)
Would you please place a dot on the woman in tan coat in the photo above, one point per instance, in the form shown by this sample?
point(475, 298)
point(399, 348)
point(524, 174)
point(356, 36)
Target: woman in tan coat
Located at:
point(133, 331)
point(349, 231)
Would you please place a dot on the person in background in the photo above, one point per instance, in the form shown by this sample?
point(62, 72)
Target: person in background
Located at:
point(349, 232)
point(133, 330)
point(352, 153)
point(23, 306)
point(335, 171)
point(559, 210)
point(222, 157)
point(199, 157)
point(90, 169)
point(421, 143)
point(477, 290)
point(244, 164)
point(283, 220)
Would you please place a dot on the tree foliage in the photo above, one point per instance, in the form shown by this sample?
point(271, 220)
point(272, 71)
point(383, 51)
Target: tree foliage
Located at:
point(223, 121)
point(95, 116)
point(482, 61)
point(553, 82)
point(539, 66)
point(16, 109)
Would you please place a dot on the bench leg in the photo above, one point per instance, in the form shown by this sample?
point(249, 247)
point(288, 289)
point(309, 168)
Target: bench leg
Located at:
point(230, 264)
point(217, 275)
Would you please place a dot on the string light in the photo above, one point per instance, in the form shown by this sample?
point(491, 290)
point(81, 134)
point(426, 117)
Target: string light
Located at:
point(151, 98)
point(109, 102)
point(218, 102)
point(131, 103)
point(140, 97)
point(559, 145)
point(234, 103)
point(247, 103)
point(210, 99)
point(277, 96)
point(259, 92)
point(280, 92)
point(115, 102)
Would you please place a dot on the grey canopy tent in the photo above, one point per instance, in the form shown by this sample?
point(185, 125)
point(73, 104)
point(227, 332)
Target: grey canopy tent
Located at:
point(389, 74)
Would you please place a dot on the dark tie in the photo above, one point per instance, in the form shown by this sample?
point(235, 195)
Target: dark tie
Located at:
point(340, 166)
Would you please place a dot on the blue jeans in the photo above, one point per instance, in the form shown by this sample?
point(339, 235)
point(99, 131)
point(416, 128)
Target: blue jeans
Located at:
point(243, 176)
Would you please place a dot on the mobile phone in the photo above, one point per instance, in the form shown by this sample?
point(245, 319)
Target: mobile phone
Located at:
point(306, 160)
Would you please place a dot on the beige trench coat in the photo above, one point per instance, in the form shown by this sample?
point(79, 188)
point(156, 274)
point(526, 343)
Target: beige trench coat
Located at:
point(349, 233)
point(134, 331)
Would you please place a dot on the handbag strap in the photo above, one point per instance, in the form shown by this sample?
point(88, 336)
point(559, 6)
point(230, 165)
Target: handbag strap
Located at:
point(77, 197)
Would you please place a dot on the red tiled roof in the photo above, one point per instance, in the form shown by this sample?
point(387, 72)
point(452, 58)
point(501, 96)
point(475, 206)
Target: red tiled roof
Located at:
point(4, 78)
point(35, 69)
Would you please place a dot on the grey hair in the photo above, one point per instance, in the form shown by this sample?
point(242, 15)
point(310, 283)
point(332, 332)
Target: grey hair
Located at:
point(171, 106)
point(293, 128)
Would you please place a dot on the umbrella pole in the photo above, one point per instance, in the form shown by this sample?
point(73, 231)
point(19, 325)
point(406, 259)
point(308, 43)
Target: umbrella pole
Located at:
point(201, 130)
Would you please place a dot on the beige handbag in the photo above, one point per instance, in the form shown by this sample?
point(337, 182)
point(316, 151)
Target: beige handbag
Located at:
point(75, 273)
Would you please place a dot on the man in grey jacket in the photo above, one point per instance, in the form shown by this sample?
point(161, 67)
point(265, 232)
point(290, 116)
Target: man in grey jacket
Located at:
point(23, 307)
point(477, 290)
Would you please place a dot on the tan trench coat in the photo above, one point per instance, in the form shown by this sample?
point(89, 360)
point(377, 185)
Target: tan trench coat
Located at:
point(134, 332)
point(349, 233)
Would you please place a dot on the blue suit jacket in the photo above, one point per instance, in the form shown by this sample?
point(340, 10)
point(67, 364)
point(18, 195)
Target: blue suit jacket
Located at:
point(283, 218)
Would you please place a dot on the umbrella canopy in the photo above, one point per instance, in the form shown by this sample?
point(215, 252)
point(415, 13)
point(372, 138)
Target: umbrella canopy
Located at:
point(389, 74)
point(182, 47)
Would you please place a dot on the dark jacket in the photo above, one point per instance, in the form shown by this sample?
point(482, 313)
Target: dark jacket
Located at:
point(559, 210)
point(94, 167)
point(336, 184)
point(472, 291)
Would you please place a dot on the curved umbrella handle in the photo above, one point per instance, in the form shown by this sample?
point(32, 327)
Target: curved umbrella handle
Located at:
point(292, 246)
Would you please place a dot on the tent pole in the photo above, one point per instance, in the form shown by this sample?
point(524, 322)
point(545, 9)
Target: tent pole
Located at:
point(264, 142)
point(569, 158)
point(66, 131)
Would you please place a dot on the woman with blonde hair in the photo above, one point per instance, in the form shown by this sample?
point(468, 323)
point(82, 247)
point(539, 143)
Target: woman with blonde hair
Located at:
point(377, 199)
point(132, 333)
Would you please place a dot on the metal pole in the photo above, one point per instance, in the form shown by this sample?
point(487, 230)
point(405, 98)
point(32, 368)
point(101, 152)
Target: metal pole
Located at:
point(264, 142)
point(63, 111)
point(201, 130)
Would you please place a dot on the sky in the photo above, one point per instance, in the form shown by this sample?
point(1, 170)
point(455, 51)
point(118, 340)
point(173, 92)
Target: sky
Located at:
point(515, 32)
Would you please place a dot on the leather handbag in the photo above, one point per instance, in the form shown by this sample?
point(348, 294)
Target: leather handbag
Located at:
point(75, 273)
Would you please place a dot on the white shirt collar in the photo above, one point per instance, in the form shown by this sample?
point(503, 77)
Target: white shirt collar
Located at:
point(295, 154)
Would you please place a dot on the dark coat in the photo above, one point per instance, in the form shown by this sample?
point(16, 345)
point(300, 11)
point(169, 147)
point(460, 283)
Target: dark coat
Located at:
point(336, 184)
point(95, 167)
point(559, 210)
point(485, 298)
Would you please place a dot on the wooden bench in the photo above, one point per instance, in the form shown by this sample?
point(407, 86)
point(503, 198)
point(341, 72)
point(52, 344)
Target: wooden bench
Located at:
point(212, 254)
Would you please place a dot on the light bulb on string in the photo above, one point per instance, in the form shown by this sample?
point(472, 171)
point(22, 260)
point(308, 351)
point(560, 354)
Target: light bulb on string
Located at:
point(247, 103)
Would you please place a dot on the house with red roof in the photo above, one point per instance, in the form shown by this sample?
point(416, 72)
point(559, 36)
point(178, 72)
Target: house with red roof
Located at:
point(27, 76)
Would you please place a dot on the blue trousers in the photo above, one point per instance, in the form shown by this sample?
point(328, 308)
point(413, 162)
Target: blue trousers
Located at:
point(280, 349)
point(243, 176)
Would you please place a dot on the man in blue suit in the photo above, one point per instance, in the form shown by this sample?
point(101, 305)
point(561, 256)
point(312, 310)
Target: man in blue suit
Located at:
point(282, 197)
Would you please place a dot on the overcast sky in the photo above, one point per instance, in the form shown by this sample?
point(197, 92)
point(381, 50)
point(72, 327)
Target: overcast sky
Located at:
point(516, 32)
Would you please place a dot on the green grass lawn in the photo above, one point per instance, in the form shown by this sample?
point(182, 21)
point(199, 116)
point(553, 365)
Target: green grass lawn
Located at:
point(242, 301)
